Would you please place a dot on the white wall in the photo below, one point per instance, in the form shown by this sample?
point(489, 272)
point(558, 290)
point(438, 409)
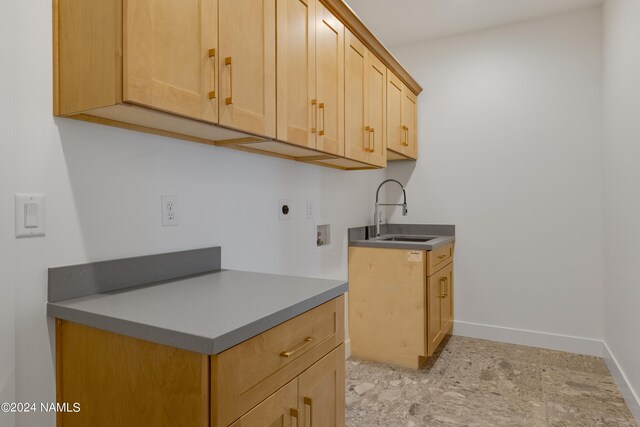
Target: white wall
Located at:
point(511, 152)
point(103, 188)
point(622, 178)
point(7, 246)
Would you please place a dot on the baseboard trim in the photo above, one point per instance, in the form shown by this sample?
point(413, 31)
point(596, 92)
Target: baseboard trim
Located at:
point(630, 396)
point(587, 346)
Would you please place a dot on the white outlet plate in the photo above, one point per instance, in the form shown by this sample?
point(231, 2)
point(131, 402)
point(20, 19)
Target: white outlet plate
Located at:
point(284, 210)
point(169, 210)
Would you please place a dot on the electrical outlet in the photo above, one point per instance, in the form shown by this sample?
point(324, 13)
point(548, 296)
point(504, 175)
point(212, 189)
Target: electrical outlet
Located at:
point(284, 210)
point(169, 210)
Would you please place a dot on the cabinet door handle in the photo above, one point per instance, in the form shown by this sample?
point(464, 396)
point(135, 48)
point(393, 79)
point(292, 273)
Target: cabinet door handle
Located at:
point(443, 280)
point(294, 414)
point(372, 145)
point(308, 402)
point(303, 344)
point(229, 100)
point(314, 113)
point(367, 133)
point(405, 135)
point(321, 107)
point(212, 54)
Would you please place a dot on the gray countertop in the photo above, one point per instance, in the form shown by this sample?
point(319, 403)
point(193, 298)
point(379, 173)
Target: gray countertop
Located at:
point(207, 314)
point(434, 242)
point(438, 235)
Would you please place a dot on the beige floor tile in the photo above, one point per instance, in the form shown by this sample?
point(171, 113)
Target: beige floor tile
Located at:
point(483, 383)
point(582, 389)
point(469, 406)
point(572, 416)
point(574, 362)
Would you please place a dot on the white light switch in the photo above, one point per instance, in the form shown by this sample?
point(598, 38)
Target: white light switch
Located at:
point(29, 215)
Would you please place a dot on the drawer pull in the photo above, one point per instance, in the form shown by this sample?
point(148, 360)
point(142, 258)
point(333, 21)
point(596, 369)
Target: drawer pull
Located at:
point(442, 256)
point(289, 353)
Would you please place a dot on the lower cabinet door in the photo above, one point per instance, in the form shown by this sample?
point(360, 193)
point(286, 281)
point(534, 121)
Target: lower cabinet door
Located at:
point(440, 306)
point(321, 392)
point(446, 307)
point(278, 410)
point(435, 291)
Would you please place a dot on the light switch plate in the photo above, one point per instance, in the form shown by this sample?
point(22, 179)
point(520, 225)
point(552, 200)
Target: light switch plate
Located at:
point(30, 216)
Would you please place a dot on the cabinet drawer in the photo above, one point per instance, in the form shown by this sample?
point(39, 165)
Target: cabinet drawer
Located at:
point(438, 258)
point(248, 373)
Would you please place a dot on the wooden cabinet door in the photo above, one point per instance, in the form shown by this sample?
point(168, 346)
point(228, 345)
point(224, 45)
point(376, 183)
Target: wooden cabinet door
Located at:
point(395, 125)
point(296, 71)
point(167, 63)
point(446, 303)
point(376, 110)
point(278, 410)
point(365, 104)
point(247, 77)
point(321, 392)
point(436, 284)
point(356, 139)
point(329, 81)
point(410, 122)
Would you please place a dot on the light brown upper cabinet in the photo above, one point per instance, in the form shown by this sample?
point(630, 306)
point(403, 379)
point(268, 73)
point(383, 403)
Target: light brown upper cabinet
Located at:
point(402, 141)
point(247, 40)
point(296, 71)
point(169, 60)
point(217, 72)
point(310, 68)
point(365, 104)
point(330, 81)
point(410, 122)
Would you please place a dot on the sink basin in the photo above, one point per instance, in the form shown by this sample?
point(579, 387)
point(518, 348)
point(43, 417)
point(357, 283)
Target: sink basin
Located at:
point(407, 239)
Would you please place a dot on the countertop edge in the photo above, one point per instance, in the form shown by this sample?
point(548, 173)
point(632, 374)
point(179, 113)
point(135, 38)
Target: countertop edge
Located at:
point(441, 241)
point(186, 341)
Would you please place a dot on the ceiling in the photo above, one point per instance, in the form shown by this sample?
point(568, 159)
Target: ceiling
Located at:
point(397, 22)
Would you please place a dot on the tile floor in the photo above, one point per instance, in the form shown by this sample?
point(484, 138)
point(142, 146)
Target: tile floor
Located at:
point(484, 383)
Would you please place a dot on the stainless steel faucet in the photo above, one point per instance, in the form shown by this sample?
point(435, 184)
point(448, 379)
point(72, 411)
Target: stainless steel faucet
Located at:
point(377, 210)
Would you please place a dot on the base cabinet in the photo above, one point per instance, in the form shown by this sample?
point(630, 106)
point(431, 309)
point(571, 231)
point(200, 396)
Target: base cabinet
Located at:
point(290, 375)
point(321, 392)
point(278, 410)
point(400, 303)
point(315, 398)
